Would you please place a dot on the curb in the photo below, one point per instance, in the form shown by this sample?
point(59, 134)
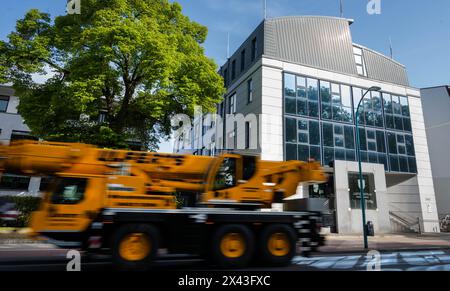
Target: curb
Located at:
point(362, 251)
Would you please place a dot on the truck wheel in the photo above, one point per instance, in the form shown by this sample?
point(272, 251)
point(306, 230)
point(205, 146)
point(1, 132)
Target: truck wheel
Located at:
point(134, 246)
point(232, 246)
point(277, 245)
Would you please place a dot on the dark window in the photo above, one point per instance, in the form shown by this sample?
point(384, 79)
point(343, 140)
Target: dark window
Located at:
point(410, 145)
point(306, 143)
point(314, 133)
point(225, 77)
point(349, 138)
point(248, 129)
point(45, 183)
point(249, 167)
point(370, 111)
point(303, 153)
point(69, 191)
point(226, 176)
point(401, 153)
point(233, 70)
point(13, 182)
point(325, 92)
point(291, 130)
point(315, 153)
point(362, 139)
point(291, 152)
point(254, 49)
point(4, 100)
point(392, 142)
point(381, 146)
point(242, 61)
point(328, 139)
point(250, 91)
point(397, 112)
point(328, 156)
point(22, 135)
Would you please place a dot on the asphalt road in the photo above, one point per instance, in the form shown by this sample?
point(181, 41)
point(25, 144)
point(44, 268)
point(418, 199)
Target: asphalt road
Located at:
point(46, 258)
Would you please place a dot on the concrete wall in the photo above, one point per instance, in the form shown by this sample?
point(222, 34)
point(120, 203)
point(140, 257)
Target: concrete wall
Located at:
point(272, 113)
point(349, 221)
point(436, 108)
point(404, 200)
point(430, 220)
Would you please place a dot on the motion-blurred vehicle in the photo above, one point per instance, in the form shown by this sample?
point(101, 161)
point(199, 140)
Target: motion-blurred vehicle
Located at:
point(132, 204)
point(9, 215)
point(445, 224)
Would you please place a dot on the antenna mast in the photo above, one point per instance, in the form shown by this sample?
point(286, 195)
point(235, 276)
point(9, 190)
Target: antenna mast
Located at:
point(265, 9)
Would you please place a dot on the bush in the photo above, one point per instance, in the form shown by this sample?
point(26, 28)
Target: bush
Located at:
point(26, 205)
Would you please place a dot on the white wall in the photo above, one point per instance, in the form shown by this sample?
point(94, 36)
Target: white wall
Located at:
point(430, 221)
point(272, 114)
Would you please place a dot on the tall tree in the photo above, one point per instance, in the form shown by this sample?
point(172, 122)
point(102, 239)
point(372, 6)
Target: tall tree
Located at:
point(121, 69)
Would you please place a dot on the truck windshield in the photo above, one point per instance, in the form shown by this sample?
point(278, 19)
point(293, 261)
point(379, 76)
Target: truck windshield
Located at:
point(69, 191)
point(226, 176)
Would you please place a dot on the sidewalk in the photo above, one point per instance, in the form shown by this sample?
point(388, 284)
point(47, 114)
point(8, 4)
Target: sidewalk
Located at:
point(336, 243)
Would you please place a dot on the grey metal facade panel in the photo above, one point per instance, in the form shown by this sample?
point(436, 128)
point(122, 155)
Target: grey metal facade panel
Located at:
point(257, 34)
point(6, 91)
point(322, 42)
point(316, 41)
point(382, 68)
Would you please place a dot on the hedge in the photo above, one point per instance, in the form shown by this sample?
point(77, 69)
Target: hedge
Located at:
point(25, 205)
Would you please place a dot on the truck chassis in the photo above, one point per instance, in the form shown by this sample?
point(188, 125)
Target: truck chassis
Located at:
point(201, 232)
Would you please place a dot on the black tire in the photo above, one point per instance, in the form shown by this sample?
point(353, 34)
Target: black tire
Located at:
point(285, 255)
point(223, 261)
point(148, 232)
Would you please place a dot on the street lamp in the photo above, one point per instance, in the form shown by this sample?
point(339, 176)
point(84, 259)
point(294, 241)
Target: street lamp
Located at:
point(361, 178)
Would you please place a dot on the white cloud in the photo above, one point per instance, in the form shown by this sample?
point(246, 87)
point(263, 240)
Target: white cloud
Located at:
point(166, 147)
point(42, 78)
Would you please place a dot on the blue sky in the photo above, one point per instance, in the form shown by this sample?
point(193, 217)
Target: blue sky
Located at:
point(420, 29)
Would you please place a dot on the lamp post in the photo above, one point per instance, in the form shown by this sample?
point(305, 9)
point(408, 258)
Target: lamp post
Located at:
point(361, 178)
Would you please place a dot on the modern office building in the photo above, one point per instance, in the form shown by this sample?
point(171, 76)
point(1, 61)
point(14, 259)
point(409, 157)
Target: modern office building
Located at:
point(12, 128)
point(303, 77)
point(436, 111)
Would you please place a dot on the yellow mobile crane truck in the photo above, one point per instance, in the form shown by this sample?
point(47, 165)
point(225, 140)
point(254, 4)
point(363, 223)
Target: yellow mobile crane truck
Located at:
point(132, 204)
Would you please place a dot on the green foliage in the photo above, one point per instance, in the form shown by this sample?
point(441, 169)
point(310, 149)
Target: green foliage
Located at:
point(26, 205)
point(138, 62)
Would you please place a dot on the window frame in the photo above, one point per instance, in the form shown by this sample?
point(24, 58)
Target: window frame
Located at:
point(232, 108)
point(5, 99)
point(358, 53)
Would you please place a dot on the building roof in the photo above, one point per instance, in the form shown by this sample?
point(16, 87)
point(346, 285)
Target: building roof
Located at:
point(318, 41)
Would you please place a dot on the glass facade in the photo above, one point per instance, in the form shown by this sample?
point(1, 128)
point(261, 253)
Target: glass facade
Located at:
point(320, 124)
